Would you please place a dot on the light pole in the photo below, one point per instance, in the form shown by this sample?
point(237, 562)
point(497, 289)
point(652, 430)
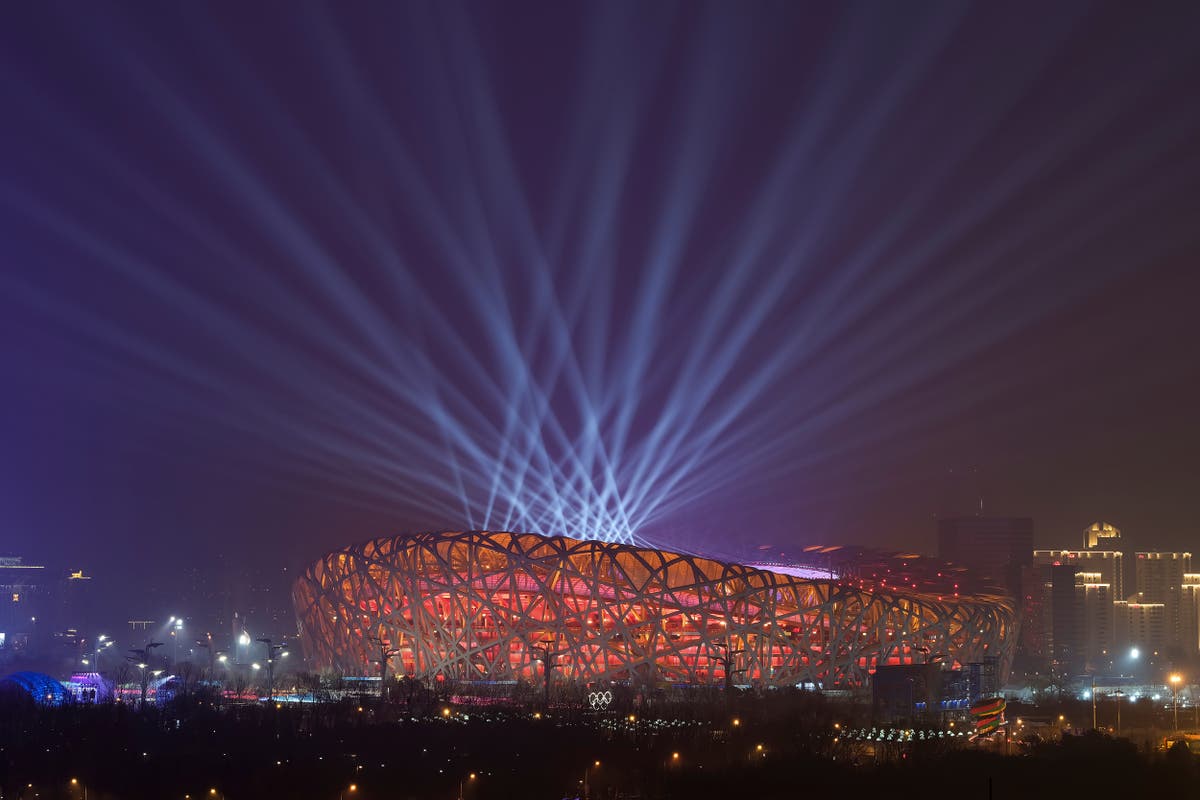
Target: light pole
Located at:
point(272, 651)
point(1118, 694)
point(586, 770)
point(207, 644)
point(141, 657)
point(102, 643)
point(1175, 681)
point(470, 777)
point(176, 626)
point(351, 789)
point(1093, 702)
point(75, 783)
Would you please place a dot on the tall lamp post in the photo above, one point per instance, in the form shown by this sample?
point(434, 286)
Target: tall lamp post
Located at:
point(141, 657)
point(1093, 702)
point(1175, 679)
point(470, 777)
point(102, 643)
point(207, 644)
point(176, 626)
point(586, 772)
point(272, 651)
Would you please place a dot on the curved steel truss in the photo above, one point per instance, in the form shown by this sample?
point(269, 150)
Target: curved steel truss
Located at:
point(491, 606)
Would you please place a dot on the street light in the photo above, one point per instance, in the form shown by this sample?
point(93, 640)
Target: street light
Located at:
point(140, 657)
point(1093, 696)
point(102, 643)
point(76, 784)
point(586, 771)
point(243, 641)
point(351, 789)
point(273, 650)
point(176, 626)
point(1176, 679)
point(470, 777)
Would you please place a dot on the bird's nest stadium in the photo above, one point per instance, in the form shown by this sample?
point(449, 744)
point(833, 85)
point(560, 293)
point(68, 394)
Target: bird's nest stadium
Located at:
point(486, 606)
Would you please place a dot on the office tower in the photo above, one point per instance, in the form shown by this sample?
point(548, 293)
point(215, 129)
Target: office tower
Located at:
point(1098, 532)
point(1034, 645)
point(993, 546)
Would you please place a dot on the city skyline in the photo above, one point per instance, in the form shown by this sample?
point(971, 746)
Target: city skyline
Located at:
point(599, 400)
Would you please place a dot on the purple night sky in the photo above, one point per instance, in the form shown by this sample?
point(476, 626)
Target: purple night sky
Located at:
point(283, 276)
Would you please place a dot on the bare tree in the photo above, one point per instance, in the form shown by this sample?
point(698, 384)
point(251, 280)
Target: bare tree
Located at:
point(121, 675)
point(309, 683)
point(727, 659)
point(240, 683)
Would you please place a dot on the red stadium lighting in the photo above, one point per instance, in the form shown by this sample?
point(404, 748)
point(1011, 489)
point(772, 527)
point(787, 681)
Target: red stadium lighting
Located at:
point(482, 606)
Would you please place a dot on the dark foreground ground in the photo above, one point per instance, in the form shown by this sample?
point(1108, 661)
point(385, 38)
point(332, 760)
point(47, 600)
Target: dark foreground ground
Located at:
point(777, 748)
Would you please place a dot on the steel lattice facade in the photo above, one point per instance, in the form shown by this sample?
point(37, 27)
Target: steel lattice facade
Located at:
point(484, 606)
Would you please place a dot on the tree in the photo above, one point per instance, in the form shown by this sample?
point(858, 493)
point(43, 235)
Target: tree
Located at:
point(727, 658)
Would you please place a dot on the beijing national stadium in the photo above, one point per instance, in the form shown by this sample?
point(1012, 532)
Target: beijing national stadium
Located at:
point(486, 606)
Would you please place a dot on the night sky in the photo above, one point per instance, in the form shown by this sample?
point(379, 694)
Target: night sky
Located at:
point(280, 276)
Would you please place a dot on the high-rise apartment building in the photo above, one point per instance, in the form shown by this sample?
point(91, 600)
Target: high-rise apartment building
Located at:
point(1099, 632)
point(1110, 564)
point(1098, 580)
point(1159, 579)
point(1141, 626)
point(1189, 616)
